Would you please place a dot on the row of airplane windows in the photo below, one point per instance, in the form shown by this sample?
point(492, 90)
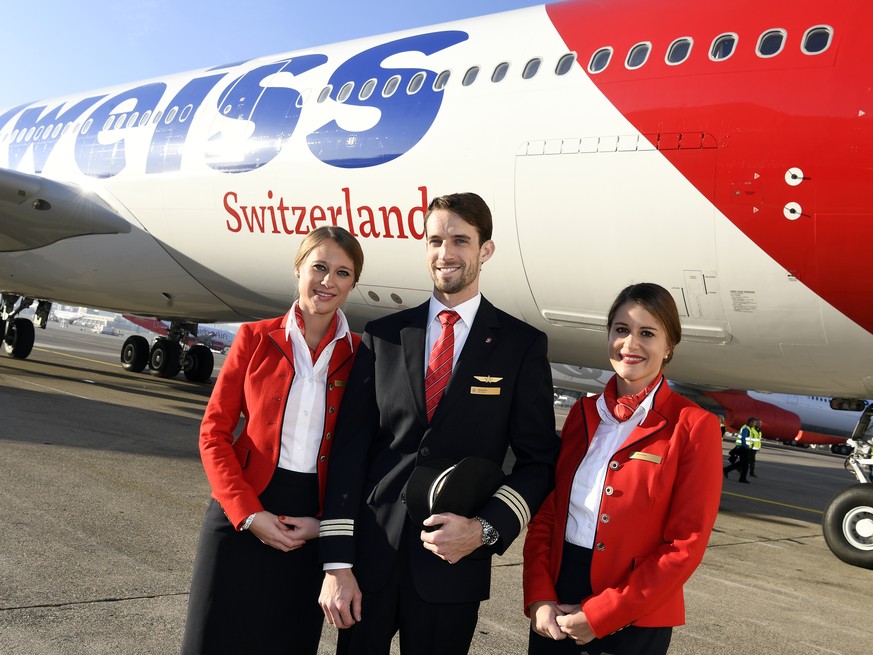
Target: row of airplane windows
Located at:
point(771, 43)
point(816, 40)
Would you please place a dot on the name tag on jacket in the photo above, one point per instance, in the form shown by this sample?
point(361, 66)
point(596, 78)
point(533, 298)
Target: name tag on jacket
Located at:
point(646, 457)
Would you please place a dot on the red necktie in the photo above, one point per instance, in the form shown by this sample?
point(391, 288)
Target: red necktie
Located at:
point(439, 368)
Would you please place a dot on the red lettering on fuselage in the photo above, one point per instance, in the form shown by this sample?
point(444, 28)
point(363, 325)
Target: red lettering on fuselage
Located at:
point(278, 217)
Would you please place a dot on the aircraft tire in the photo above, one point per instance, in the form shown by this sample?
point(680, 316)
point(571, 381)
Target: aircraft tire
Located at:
point(19, 338)
point(847, 525)
point(165, 358)
point(135, 354)
point(197, 364)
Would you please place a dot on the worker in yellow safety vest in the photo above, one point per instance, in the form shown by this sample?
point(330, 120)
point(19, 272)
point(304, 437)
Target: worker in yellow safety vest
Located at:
point(741, 451)
point(754, 445)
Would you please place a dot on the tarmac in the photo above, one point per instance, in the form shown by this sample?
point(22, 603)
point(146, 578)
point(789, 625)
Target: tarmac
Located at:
point(103, 494)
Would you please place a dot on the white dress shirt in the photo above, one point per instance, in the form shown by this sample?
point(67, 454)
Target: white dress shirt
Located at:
point(466, 310)
point(303, 423)
point(588, 482)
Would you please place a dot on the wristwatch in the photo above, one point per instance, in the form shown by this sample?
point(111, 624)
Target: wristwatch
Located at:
point(489, 532)
point(247, 523)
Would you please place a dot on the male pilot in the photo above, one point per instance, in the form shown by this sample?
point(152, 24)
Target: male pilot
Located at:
point(398, 413)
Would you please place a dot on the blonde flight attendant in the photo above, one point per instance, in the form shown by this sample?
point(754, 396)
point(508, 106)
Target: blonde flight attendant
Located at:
point(636, 494)
point(256, 575)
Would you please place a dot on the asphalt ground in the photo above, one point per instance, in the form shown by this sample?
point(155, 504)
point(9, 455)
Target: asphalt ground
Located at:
point(102, 494)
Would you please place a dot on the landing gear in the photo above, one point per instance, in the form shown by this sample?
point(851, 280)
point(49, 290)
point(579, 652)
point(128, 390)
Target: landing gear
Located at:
point(848, 525)
point(18, 338)
point(135, 354)
point(197, 363)
point(167, 355)
point(18, 334)
point(165, 358)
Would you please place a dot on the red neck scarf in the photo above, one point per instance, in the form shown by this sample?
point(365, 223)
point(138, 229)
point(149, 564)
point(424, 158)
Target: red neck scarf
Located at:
point(623, 408)
point(325, 340)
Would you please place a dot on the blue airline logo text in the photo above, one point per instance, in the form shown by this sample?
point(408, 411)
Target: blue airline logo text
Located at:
point(271, 112)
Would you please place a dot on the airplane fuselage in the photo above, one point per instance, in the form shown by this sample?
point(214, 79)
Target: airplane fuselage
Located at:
point(742, 183)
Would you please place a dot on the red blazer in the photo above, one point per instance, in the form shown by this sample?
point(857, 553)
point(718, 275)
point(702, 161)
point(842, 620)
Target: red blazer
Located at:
point(657, 508)
point(255, 381)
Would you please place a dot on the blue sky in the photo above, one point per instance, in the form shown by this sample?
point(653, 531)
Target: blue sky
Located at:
point(56, 47)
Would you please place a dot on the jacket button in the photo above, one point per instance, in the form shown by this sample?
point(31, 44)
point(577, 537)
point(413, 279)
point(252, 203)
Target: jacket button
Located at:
point(331, 409)
point(604, 518)
point(328, 436)
point(425, 451)
point(614, 465)
point(330, 387)
point(609, 491)
point(322, 458)
point(600, 546)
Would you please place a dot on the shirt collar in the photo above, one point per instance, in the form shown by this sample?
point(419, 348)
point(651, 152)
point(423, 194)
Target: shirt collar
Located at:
point(342, 326)
point(467, 309)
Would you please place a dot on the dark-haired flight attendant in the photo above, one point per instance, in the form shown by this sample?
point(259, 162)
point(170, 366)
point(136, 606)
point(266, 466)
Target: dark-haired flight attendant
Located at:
point(256, 575)
point(637, 490)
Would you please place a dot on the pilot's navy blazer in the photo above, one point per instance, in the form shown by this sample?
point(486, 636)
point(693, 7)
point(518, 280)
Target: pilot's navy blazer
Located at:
point(657, 508)
point(500, 395)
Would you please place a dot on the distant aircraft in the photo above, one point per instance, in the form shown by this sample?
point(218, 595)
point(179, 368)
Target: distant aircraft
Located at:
point(725, 155)
point(793, 420)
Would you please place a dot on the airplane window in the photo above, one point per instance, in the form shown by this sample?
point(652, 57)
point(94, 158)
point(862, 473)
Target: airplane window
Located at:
point(442, 79)
point(817, 40)
point(158, 115)
point(48, 132)
point(531, 68)
point(325, 92)
point(87, 126)
point(470, 76)
point(108, 124)
point(186, 112)
point(500, 72)
point(638, 55)
point(14, 134)
point(38, 133)
point(599, 60)
point(723, 47)
point(415, 83)
point(134, 117)
point(120, 122)
point(565, 63)
point(367, 89)
point(302, 97)
point(171, 115)
point(771, 42)
point(391, 86)
point(678, 51)
point(30, 134)
point(21, 136)
point(67, 128)
point(146, 115)
point(345, 91)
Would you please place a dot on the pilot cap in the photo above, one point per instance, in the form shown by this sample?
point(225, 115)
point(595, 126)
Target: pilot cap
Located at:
point(441, 486)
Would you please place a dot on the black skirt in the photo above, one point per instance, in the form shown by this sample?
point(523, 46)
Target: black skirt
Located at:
point(574, 585)
point(247, 597)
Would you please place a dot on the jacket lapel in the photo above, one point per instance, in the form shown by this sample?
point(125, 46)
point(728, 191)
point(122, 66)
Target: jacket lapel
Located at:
point(283, 344)
point(412, 340)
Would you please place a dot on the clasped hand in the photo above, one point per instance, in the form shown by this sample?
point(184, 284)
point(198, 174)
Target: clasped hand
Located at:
point(285, 533)
point(559, 621)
